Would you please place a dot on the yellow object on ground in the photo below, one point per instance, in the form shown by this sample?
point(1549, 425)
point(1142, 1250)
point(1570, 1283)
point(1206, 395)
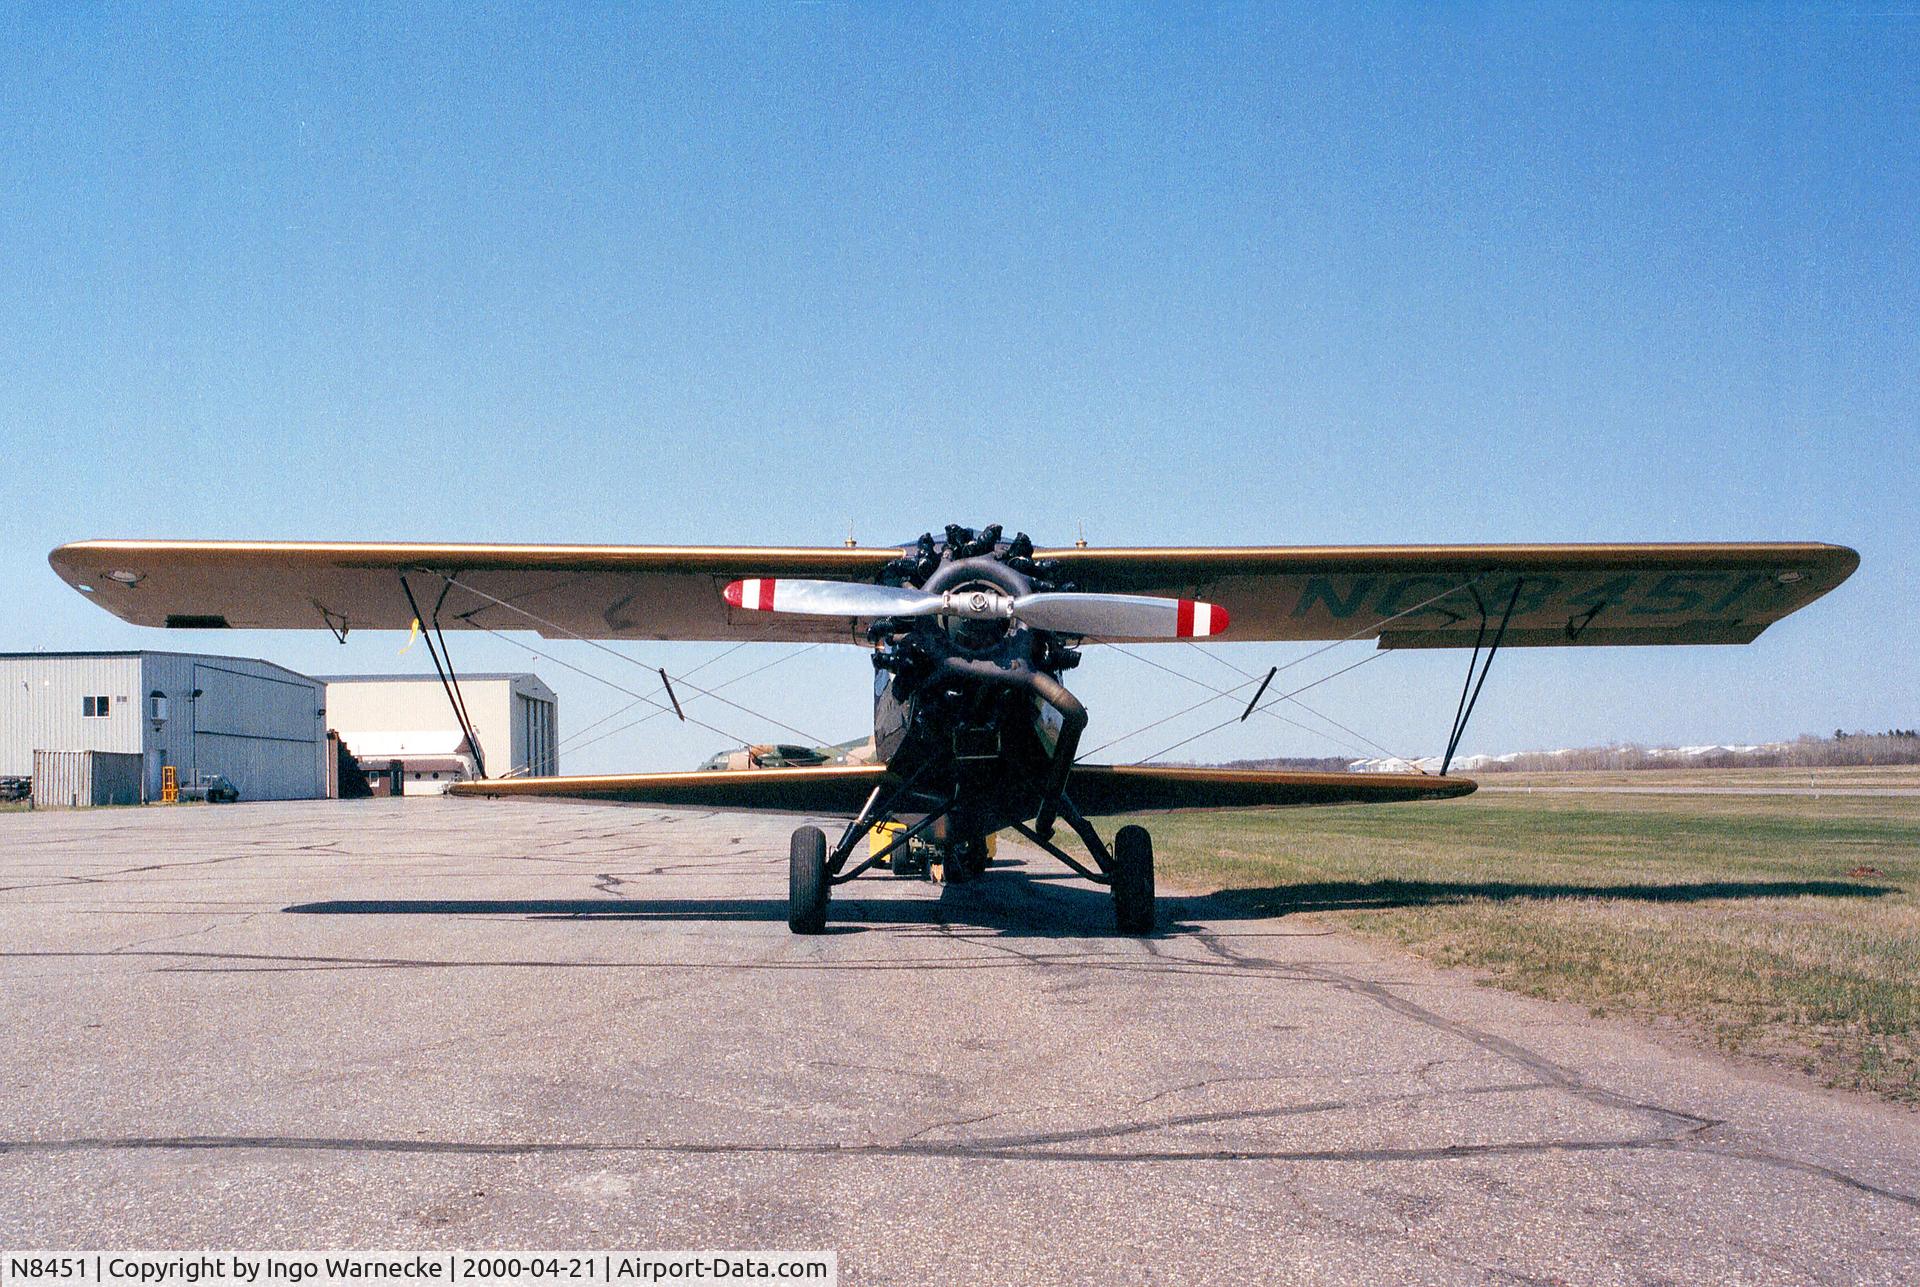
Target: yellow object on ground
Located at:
point(883, 834)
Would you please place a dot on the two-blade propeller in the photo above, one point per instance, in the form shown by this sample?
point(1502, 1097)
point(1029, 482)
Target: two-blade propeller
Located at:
point(1135, 616)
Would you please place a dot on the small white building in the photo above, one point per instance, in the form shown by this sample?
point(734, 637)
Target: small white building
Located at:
point(261, 726)
point(384, 718)
point(431, 760)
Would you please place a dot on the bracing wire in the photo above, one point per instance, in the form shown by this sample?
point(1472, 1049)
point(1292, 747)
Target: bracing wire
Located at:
point(615, 652)
point(1313, 711)
point(602, 679)
point(1372, 656)
point(569, 741)
point(780, 660)
point(1372, 627)
point(1305, 728)
point(572, 741)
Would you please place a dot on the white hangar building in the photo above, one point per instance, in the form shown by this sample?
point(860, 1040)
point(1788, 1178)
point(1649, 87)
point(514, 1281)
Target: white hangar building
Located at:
point(382, 718)
point(263, 727)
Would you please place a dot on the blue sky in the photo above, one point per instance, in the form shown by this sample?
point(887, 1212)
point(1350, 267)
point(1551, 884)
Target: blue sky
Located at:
point(749, 273)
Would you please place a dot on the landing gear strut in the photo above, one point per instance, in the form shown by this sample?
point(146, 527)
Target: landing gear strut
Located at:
point(1127, 869)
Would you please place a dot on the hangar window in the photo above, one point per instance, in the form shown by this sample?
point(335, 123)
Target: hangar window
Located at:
point(94, 708)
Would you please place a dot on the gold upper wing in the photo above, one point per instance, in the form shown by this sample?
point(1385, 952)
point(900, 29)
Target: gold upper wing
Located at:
point(1405, 596)
point(589, 591)
point(1432, 596)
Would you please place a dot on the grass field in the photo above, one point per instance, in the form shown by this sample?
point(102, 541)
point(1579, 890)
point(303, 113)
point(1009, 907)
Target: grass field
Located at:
point(1783, 927)
point(1871, 776)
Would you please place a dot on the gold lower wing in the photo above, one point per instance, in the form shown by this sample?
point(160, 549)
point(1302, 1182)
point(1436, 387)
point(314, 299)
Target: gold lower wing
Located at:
point(1095, 789)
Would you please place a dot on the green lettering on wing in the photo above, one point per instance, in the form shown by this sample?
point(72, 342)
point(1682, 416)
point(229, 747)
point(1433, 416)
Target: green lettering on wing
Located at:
point(1323, 591)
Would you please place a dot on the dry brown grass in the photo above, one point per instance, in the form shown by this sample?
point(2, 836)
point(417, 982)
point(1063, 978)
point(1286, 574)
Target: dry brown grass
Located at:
point(1735, 915)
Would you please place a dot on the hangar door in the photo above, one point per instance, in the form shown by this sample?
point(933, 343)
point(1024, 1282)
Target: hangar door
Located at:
point(263, 733)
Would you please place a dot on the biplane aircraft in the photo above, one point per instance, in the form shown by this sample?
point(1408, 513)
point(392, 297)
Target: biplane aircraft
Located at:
point(970, 635)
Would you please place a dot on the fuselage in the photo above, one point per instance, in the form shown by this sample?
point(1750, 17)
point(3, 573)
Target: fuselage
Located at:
point(970, 709)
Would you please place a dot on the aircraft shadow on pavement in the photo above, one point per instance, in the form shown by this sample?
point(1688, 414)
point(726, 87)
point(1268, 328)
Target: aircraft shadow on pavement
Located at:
point(1362, 895)
point(1001, 902)
point(1044, 904)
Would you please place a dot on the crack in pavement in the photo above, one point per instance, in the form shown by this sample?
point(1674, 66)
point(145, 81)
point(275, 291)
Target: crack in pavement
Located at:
point(274, 962)
point(958, 1150)
point(1690, 1138)
point(1115, 1130)
point(139, 944)
point(1545, 1069)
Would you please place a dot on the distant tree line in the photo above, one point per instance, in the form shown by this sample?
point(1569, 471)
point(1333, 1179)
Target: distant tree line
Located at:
point(1808, 751)
point(1895, 746)
point(1298, 764)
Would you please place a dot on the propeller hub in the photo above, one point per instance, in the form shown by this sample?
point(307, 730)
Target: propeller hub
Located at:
point(977, 597)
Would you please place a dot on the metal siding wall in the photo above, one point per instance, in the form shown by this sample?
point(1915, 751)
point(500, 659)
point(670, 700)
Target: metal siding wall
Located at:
point(490, 705)
point(242, 699)
point(540, 754)
point(522, 740)
point(81, 779)
point(40, 707)
point(261, 768)
point(172, 743)
point(504, 714)
point(395, 706)
point(261, 727)
point(535, 732)
point(242, 704)
point(553, 731)
point(116, 778)
point(61, 779)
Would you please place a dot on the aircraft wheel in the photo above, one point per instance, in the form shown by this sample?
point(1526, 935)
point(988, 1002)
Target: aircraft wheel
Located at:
point(1133, 880)
point(807, 887)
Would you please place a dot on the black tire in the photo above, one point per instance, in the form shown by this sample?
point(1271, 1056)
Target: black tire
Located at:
point(807, 886)
point(977, 857)
point(1133, 881)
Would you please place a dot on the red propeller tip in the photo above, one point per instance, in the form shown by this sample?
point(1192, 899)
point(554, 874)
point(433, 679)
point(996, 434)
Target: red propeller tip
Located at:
point(755, 593)
point(1198, 620)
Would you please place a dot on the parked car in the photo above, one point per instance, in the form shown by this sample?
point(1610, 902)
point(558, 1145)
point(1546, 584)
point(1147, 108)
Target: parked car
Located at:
point(13, 790)
point(213, 788)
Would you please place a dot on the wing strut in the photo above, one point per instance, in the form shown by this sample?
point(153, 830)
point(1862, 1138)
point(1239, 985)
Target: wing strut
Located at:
point(449, 681)
point(1464, 711)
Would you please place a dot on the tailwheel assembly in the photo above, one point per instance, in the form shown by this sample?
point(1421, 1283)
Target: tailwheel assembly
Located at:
point(959, 862)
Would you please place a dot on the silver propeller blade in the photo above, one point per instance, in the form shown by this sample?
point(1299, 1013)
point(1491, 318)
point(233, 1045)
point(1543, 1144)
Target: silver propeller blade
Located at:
point(830, 598)
point(1135, 616)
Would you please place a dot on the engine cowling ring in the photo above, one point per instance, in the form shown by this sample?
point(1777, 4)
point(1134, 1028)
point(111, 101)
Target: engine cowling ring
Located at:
point(989, 637)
